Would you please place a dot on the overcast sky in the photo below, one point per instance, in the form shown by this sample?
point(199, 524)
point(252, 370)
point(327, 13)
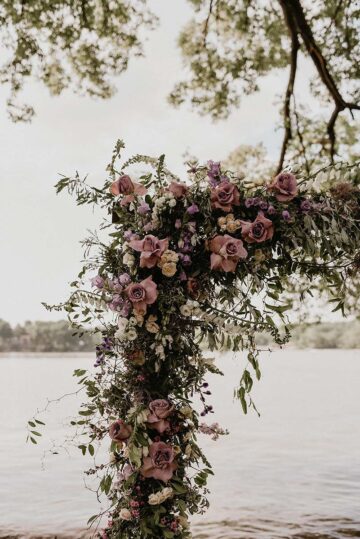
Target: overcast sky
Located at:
point(40, 232)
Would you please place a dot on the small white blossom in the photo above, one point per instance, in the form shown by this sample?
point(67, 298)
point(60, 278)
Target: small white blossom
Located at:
point(129, 260)
point(159, 497)
point(131, 334)
point(185, 310)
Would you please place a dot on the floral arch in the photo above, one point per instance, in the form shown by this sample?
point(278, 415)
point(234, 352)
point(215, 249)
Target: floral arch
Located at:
point(180, 268)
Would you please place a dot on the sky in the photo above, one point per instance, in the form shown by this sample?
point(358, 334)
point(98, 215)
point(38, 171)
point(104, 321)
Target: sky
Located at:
point(40, 232)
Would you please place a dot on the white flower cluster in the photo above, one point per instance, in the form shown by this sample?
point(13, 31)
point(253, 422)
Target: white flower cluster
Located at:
point(167, 200)
point(191, 308)
point(128, 256)
point(159, 497)
point(127, 330)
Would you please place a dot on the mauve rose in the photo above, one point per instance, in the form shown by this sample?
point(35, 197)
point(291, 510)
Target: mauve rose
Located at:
point(160, 409)
point(224, 196)
point(284, 186)
point(160, 464)
point(226, 253)
point(261, 229)
point(151, 249)
point(125, 186)
point(142, 294)
point(120, 431)
point(178, 189)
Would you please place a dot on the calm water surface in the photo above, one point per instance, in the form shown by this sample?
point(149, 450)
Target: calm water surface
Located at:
point(293, 473)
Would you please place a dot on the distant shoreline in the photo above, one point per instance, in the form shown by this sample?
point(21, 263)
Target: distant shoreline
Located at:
point(80, 534)
point(65, 355)
point(76, 354)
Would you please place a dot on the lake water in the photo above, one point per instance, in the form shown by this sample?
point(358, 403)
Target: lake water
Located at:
point(293, 473)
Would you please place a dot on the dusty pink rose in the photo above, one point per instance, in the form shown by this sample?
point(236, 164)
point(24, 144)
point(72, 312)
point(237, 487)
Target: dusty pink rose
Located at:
point(120, 431)
point(284, 186)
point(261, 229)
point(178, 189)
point(224, 196)
point(142, 294)
point(151, 249)
point(226, 252)
point(160, 409)
point(125, 186)
point(160, 464)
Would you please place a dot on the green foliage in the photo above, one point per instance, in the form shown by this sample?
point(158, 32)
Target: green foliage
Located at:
point(79, 45)
point(156, 351)
point(229, 45)
point(227, 48)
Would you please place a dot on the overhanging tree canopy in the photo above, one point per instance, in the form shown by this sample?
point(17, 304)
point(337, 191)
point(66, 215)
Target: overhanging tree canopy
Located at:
point(227, 47)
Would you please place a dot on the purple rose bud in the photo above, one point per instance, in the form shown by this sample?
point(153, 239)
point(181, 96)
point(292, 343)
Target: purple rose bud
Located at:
point(263, 205)
point(256, 201)
point(182, 276)
point(178, 223)
point(116, 285)
point(193, 209)
point(286, 215)
point(249, 202)
point(306, 205)
point(128, 234)
point(124, 279)
point(185, 260)
point(271, 210)
point(97, 282)
point(143, 208)
point(214, 172)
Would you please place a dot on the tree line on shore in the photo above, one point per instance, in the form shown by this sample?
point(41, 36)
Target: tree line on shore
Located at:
point(40, 336)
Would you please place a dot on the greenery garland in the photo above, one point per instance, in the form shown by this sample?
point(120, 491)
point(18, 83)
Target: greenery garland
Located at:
point(187, 267)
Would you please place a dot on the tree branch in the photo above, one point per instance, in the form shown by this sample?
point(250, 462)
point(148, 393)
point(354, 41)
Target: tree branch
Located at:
point(301, 138)
point(206, 25)
point(302, 27)
point(295, 45)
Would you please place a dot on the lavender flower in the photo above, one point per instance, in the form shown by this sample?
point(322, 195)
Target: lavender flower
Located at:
point(143, 208)
point(194, 208)
point(249, 202)
point(286, 215)
point(263, 205)
point(124, 279)
point(214, 172)
point(97, 282)
point(306, 205)
point(185, 260)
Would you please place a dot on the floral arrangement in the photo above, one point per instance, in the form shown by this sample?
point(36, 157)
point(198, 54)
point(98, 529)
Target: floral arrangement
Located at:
point(185, 267)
